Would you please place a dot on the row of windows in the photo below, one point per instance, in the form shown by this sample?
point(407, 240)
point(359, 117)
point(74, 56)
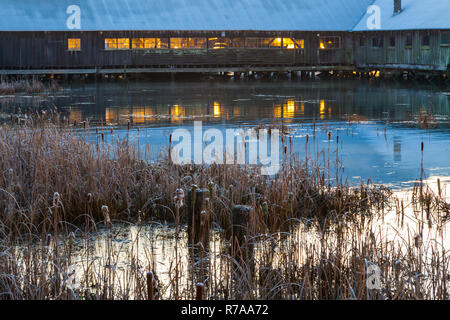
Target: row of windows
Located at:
point(331, 42)
point(203, 43)
point(378, 41)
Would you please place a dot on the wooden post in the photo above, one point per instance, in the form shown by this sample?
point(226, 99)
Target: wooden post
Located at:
point(242, 244)
point(199, 291)
point(149, 285)
point(198, 221)
point(242, 250)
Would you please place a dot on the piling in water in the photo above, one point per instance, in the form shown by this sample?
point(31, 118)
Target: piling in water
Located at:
point(242, 243)
point(150, 285)
point(199, 291)
point(198, 222)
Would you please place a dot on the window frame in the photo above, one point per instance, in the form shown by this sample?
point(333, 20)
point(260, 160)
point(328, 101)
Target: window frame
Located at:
point(339, 47)
point(380, 42)
point(442, 43)
point(394, 45)
point(424, 46)
point(71, 49)
point(407, 36)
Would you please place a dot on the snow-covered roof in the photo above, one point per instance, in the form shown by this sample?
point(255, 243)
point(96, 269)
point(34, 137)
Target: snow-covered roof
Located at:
point(416, 15)
point(264, 15)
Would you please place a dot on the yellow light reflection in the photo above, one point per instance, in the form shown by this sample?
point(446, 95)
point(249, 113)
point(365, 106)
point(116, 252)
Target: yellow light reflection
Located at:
point(289, 109)
point(177, 113)
point(111, 115)
point(217, 109)
point(138, 115)
point(322, 108)
point(322, 45)
point(277, 111)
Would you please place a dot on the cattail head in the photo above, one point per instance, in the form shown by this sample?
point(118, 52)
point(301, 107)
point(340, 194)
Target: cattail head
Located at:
point(417, 241)
point(56, 199)
point(105, 211)
point(179, 197)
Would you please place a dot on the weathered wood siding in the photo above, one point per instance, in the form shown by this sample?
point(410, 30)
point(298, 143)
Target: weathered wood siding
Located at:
point(433, 57)
point(48, 50)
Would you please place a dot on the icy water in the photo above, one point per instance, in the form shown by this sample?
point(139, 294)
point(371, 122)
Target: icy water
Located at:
point(380, 127)
point(380, 124)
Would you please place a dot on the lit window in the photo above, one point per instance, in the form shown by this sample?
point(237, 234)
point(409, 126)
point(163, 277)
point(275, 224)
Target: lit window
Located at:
point(290, 43)
point(110, 44)
point(74, 44)
point(445, 38)
point(263, 42)
point(219, 43)
point(188, 43)
point(123, 43)
point(113, 43)
point(137, 43)
point(330, 42)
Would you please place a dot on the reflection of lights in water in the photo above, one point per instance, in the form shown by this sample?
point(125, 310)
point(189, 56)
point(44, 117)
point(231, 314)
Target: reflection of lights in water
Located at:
point(176, 112)
point(138, 115)
point(289, 109)
point(75, 115)
point(277, 111)
point(217, 109)
point(322, 108)
point(302, 109)
point(111, 115)
point(236, 111)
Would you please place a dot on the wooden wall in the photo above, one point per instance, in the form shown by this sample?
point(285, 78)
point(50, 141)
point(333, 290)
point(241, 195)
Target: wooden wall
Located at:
point(48, 50)
point(434, 57)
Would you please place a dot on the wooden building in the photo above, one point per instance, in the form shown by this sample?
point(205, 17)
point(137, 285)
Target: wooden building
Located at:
point(136, 36)
point(414, 35)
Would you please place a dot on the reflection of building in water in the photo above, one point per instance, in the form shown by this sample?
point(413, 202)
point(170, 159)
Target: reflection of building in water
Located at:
point(75, 115)
point(397, 149)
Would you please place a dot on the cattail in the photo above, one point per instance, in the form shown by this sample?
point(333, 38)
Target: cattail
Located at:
point(71, 238)
point(329, 135)
point(417, 241)
point(179, 197)
point(56, 199)
point(128, 126)
point(211, 189)
point(105, 211)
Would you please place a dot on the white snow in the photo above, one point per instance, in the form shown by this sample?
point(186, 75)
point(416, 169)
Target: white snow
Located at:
point(416, 15)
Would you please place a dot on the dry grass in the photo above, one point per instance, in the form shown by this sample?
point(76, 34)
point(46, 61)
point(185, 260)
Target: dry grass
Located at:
point(27, 86)
point(312, 240)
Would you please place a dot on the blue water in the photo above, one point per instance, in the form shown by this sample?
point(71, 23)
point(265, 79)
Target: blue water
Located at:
point(378, 124)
